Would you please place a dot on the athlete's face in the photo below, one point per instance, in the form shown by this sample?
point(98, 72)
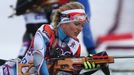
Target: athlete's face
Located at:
point(72, 29)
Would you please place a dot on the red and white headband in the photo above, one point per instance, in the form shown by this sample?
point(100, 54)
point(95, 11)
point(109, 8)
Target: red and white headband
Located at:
point(72, 15)
point(73, 11)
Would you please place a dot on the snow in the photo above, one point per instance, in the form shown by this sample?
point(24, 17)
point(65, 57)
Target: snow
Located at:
point(11, 31)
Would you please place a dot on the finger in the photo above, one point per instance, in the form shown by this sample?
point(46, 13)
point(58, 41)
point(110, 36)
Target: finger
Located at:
point(89, 65)
point(93, 64)
point(85, 65)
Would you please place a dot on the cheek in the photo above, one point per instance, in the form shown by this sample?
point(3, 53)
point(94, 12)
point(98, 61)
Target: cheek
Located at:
point(68, 30)
point(71, 28)
point(71, 31)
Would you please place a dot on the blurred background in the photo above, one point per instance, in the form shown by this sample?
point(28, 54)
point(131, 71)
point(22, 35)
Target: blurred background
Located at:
point(111, 24)
point(11, 30)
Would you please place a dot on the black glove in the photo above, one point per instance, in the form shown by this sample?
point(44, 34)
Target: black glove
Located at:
point(104, 67)
point(89, 65)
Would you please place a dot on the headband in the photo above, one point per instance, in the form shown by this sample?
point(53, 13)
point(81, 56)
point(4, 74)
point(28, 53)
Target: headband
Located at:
point(73, 11)
point(72, 15)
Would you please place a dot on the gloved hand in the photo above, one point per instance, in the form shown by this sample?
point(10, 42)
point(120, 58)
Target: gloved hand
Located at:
point(90, 65)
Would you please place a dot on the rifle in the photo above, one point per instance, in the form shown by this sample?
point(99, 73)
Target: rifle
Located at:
point(72, 65)
point(75, 65)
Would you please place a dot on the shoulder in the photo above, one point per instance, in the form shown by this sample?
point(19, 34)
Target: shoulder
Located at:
point(41, 38)
point(45, 30)
point(48, 29)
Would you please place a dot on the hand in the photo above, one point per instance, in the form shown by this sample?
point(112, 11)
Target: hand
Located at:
point(90, 65)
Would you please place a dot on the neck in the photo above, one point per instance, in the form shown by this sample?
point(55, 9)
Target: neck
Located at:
point(62, 36)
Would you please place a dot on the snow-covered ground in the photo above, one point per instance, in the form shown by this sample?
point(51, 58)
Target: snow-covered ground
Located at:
point(11, 31)
point(103, 11)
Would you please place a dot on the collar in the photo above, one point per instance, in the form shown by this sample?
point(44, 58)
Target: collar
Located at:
point(62, 36)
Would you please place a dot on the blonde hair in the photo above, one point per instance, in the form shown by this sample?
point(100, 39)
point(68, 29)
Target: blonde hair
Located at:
point(67, 6)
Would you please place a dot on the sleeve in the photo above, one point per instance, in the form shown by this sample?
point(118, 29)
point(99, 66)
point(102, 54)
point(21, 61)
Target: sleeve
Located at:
point(88, 40)
point(40, 44)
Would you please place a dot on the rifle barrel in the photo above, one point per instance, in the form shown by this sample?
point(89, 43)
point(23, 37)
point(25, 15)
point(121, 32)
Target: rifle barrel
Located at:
point(122, 57)
point(122, 70)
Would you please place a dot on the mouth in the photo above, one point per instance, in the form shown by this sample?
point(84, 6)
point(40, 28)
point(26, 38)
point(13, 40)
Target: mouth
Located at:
point(76, 33)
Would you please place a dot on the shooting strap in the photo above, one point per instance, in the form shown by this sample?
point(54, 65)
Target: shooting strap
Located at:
point(50, 33)
point(51, 45)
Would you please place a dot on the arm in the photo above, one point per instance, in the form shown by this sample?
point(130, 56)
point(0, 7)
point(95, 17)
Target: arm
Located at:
point(39, 53)
point(88, 40)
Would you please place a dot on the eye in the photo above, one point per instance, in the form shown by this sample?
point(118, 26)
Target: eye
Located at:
point(79, 24)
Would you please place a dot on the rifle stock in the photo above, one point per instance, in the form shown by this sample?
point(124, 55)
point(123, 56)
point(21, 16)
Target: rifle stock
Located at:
point(75, 64)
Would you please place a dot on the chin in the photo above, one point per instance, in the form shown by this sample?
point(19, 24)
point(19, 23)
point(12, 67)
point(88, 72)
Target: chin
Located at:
point(75, 37)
